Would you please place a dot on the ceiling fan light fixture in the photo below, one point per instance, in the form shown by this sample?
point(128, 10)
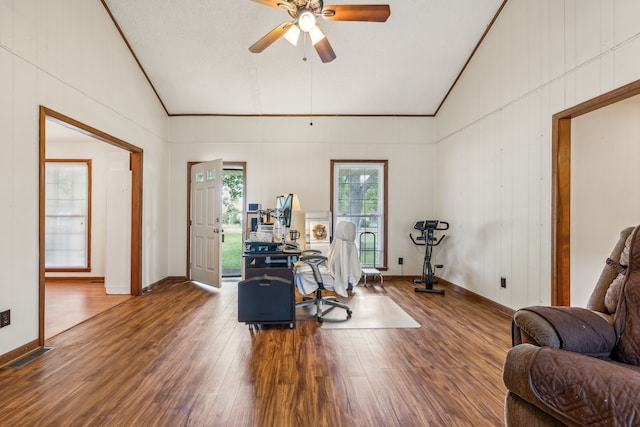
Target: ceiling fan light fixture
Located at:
point(292, 35)
point(306, 20)
point(316, 35)
point(305, 15)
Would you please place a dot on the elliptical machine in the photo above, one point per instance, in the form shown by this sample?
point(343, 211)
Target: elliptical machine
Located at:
point(428, 239)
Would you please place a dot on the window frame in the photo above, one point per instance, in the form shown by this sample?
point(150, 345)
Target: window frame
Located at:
point(383, 265)
point(87, 266)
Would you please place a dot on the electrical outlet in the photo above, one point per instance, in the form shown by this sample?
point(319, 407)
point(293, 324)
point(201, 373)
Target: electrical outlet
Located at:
point(400, 261)
point(5, 318)
point(503, 282)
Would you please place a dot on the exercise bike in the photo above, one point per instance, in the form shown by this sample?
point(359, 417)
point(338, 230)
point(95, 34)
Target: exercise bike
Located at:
point(428, 239)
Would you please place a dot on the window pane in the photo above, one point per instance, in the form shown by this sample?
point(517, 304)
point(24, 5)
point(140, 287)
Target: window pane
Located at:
point(66, 214)
point(359, 198)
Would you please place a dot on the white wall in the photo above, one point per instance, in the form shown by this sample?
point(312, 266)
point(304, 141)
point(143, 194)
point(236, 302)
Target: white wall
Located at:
point(605, 178)
point(286, 154)
point(493, 135)
point(67, 55)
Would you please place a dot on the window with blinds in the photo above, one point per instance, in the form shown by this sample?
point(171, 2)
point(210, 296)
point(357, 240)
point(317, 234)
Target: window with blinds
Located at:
point(67, 215)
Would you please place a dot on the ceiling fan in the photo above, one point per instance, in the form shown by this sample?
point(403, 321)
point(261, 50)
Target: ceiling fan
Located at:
point(305, 14)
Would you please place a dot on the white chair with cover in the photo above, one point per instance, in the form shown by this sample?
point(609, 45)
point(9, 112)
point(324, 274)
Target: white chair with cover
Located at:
point(338, 272)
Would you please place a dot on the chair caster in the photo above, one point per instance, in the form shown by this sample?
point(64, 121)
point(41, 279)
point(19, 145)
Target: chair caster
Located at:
point(320, 319)
point(349, 312)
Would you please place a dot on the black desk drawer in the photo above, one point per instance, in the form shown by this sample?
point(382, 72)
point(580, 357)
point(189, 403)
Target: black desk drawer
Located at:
point(265, 300)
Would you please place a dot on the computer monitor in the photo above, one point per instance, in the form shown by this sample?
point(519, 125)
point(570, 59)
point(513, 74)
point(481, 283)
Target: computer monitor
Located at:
point(284, 204)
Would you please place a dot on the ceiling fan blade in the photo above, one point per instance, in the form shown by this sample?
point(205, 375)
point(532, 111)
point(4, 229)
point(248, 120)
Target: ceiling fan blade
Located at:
point(272, 3)
point(325, 51)
point(270, 37)
point(357, 12)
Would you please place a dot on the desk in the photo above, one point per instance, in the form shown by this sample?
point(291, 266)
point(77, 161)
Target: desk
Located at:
point(278, 264)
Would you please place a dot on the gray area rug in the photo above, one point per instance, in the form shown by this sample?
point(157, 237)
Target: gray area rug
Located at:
point(369, 312)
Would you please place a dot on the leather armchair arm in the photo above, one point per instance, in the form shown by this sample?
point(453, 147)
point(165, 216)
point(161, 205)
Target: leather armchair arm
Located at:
point(529, 327)
point(570, 328)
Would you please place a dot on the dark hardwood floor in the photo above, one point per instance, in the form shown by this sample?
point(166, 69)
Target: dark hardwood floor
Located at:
point(178, 357)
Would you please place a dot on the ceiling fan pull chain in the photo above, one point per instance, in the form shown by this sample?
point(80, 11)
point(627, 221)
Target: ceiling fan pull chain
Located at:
point(304, 49)
point(310, 93)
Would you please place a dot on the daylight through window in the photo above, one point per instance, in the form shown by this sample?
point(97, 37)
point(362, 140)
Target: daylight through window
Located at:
point(67, 214)
point(359, 196)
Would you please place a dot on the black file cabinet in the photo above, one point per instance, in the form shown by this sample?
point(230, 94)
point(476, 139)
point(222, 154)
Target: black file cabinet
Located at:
point(266, 300)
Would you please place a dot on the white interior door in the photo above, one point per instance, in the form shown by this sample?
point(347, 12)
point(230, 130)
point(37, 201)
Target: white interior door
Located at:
point(206, 222)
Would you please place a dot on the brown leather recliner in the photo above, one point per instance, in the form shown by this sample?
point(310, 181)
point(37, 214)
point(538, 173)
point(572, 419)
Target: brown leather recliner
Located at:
point(580, 366)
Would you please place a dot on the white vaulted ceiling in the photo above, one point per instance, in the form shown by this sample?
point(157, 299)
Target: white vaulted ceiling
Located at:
point(195, 54)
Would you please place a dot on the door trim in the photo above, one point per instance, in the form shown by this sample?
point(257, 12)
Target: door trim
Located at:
point(135, 159)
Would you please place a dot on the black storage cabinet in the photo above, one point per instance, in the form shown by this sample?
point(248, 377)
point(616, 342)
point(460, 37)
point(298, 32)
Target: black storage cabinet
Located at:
point(266, 300)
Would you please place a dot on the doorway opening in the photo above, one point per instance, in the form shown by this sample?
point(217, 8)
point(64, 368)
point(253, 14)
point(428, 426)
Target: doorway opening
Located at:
point(133, 237)
point(233, 204)
point(561, 188)
point(232, 219)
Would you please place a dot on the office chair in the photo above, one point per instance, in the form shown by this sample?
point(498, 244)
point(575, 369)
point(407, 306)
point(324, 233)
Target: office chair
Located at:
point(338, 272)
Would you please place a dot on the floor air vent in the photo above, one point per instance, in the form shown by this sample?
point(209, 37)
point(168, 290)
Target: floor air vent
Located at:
point(19, 363)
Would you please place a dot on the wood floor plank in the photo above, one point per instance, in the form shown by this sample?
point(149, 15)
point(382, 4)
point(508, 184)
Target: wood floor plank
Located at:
point(178, 356)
